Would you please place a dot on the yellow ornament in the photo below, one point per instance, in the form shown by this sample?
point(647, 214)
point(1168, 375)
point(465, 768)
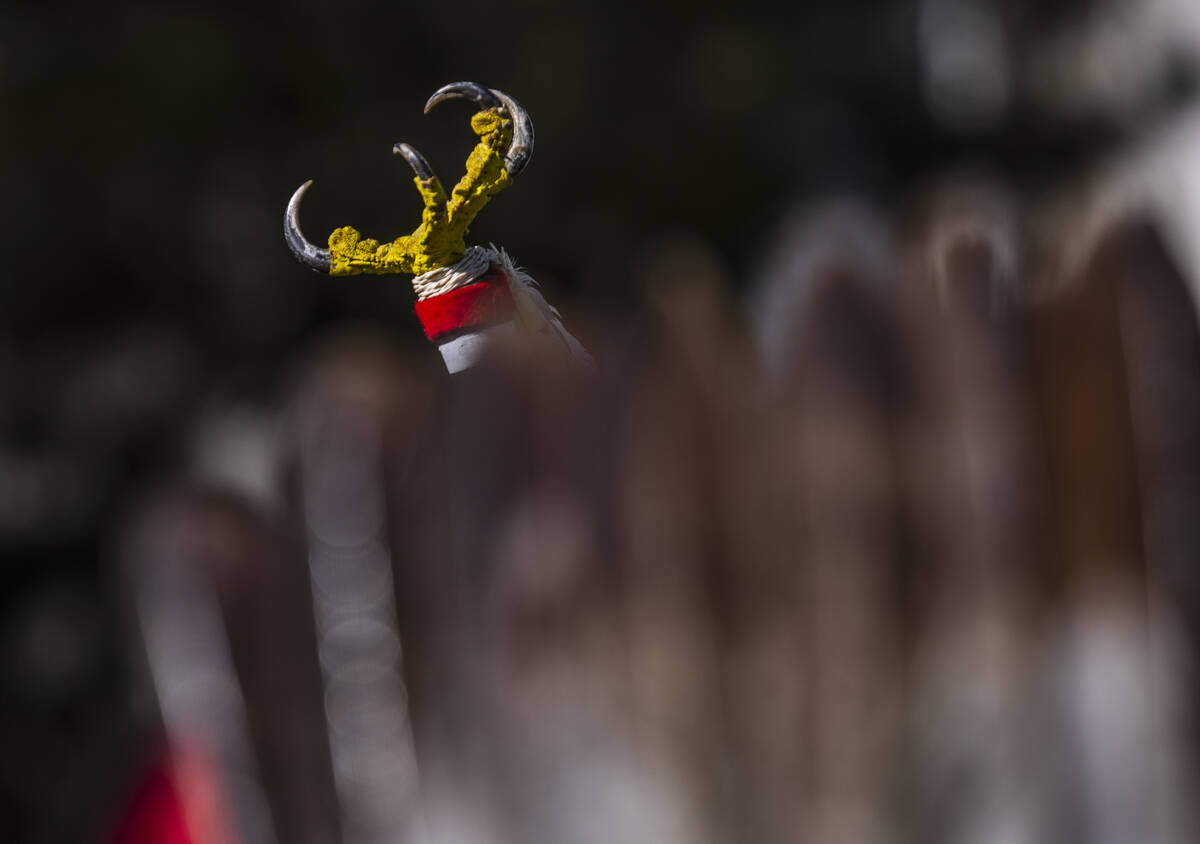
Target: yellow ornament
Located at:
point(505, 144)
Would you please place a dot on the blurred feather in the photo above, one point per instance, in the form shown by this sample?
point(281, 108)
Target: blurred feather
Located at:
point(537, 316)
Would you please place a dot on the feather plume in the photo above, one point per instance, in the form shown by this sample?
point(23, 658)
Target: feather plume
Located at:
point(537, 316)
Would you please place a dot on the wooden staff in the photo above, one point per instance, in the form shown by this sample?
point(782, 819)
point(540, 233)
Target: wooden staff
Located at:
point(1099, 660)
point(832, 343)
point(344, 431)
point(191, 562)
point(1157, 319)
point(977, 705)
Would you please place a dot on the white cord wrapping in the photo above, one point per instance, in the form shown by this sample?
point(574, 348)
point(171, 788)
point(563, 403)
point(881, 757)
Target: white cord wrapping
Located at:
point(474, 263)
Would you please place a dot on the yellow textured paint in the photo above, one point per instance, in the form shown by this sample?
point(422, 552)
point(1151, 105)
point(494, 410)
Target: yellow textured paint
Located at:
point(440, 240)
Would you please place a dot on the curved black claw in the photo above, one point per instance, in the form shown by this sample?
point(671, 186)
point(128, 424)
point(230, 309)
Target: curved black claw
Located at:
point(473, 91)
point(416, 161)
point(521, 148)
point(306, 253)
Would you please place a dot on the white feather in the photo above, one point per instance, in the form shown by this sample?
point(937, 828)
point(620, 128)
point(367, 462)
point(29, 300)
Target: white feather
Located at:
point(537, 316)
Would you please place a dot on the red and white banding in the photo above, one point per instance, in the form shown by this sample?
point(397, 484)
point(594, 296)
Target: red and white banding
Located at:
point(469, 306)
point(465, 320)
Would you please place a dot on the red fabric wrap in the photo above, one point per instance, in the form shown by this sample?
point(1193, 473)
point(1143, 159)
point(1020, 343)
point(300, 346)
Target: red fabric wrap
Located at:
point(479, 304)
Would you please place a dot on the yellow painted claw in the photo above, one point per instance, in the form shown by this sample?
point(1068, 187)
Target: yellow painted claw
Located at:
point(505, 144)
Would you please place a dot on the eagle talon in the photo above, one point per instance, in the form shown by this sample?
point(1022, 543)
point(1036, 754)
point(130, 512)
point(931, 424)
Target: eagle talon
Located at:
point(416, 161)
point(481, 96)
point(306, 253)
point(521, 147)
point(504, 148)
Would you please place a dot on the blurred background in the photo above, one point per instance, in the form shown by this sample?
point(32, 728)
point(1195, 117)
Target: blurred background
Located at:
point(879, 521)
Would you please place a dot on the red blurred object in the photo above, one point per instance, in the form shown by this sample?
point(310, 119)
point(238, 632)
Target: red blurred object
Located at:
point(176, 802)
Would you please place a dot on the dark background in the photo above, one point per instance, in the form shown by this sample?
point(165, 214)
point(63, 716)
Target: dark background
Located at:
point(146, 155)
